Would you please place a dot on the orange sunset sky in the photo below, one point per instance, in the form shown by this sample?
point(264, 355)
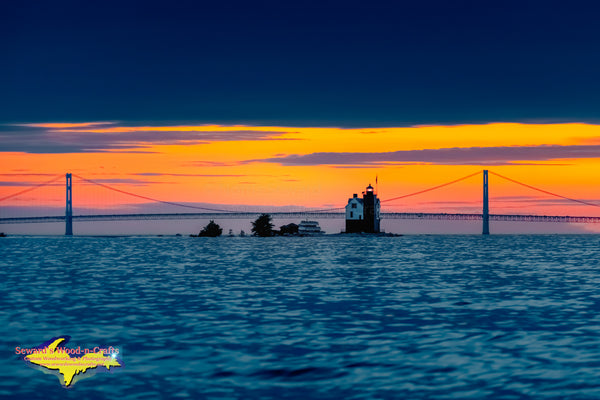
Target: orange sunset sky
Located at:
point(262, 167)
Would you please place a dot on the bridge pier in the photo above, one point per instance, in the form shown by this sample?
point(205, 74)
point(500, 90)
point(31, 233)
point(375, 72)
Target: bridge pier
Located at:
point(69, 207)
point(486, 210)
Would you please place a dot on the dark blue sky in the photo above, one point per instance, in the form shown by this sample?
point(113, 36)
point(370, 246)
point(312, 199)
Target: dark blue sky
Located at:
point(297, 62)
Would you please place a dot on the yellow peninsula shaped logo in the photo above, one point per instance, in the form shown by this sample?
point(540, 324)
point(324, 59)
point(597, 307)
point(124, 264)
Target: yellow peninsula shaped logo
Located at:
point(69, 364)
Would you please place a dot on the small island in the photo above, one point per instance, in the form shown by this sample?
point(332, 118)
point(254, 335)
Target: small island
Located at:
point(263, 227)
point(210, 230)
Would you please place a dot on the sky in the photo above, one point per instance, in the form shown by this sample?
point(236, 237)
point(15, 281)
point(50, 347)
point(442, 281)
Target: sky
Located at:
point(299, 104)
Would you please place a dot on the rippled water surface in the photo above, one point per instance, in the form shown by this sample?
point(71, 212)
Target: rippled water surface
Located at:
point(413, 317)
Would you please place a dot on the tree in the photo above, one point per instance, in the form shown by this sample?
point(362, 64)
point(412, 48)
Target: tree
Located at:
point(289, 229)
point(211, 230)
point(262, 226)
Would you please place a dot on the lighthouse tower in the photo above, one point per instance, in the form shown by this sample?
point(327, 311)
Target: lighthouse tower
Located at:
point(362, 215)
point(371, 207)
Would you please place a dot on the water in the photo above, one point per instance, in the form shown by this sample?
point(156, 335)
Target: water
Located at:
point(415, 317)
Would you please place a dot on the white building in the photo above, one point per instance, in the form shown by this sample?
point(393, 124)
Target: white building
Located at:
point(355, 209)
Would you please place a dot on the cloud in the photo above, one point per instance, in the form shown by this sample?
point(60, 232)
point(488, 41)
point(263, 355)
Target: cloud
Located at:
point(26, 174)
point(211, 175)
point(126, 181)
point(28, 183)
point(212, 164)
point(503, 155)
point(94, 137)
point(191, 175)
point(64, 125)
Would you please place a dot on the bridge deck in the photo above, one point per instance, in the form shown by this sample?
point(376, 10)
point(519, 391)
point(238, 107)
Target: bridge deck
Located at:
point(301, 215)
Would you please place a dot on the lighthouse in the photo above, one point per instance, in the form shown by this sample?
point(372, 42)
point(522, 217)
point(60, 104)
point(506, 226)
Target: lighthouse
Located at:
point(362, 215)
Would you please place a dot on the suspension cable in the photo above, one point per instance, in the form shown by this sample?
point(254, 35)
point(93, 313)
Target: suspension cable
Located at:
point(149, 198)
point(32, 188)
point(410, 194)
point(324, 210)
point(432, 188)
point(544, 191)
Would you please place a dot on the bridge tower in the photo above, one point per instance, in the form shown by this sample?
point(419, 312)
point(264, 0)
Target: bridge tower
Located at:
point(486, 210)
point(69, 208)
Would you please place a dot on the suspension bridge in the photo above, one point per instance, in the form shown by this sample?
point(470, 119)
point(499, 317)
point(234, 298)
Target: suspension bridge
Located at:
point(331, 213)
